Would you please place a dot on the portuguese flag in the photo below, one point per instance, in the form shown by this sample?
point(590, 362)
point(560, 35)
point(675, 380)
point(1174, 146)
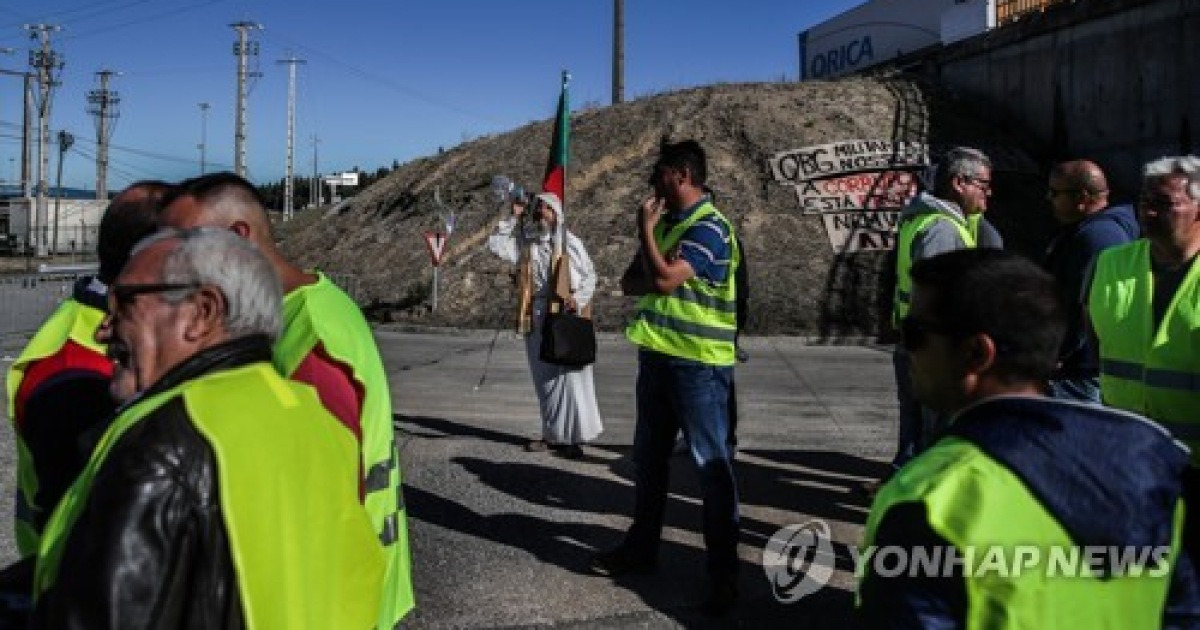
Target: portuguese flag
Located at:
point(555, 180)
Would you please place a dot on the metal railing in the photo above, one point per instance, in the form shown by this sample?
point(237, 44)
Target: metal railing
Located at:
point(1011, 10)
point(26, 300)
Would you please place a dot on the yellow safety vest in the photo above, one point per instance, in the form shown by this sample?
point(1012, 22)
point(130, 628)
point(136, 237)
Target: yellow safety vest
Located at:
point(71, 321)
point(323, 313)
point(698, 320)
point(909, 229)
point(976, 504)
point(304, 551)
point(1144, 368)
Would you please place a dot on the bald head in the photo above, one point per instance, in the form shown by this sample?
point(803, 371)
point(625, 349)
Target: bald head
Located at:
point(221, 200)
point(130, 216)
point(1077, 188)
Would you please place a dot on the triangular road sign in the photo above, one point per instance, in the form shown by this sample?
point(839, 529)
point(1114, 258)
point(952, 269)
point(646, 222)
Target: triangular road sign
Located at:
point(436, 242)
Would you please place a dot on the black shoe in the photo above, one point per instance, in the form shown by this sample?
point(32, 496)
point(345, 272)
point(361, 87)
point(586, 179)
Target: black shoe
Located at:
point(622, 561)
point(537, 446)
point(722, 596)
point(571, 451)
point(868, 489)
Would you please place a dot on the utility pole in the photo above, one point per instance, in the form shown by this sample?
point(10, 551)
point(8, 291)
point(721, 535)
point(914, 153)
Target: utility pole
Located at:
point(65, 140)
point(7, 51)
point(102, 103)
point(314, 187)
point(289, 182)
point(243, 49)
point(27, 142)
point(203, 133)
point(47, 66)
point(27, 122)
point(618, 69)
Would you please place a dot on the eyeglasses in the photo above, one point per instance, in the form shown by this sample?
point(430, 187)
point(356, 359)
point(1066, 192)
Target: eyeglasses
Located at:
point(1160, 203)
point(123, 294)
point(984, 184)
point(914, 333)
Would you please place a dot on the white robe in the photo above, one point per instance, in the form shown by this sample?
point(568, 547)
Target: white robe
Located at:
point(567, 397)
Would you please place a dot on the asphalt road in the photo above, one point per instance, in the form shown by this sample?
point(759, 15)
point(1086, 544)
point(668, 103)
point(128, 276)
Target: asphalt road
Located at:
point(501, 537)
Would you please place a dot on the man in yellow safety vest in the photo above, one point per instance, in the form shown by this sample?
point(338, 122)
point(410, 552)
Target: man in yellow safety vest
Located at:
point(1017, 516)
point(1144, 306)
point(222, 494)
point(326, 343)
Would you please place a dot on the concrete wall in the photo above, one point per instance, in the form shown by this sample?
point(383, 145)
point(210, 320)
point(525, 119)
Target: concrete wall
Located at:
point(1115, 80)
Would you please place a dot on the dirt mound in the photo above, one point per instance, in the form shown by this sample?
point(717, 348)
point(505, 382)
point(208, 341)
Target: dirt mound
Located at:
point(798, 284)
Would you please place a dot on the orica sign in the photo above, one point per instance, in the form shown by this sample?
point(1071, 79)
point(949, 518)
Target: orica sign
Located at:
point(841, 59)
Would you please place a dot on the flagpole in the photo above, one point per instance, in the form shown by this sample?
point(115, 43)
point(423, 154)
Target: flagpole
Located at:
point(566, 79)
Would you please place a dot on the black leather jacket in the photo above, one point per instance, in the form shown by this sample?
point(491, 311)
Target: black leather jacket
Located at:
point(149, 549)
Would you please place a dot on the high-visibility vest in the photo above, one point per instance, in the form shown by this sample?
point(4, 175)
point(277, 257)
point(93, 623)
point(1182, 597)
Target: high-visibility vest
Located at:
point(698, 320)
point(1146, 368)
point(979, 506)
point(303, 551)
point(72, 321)
point(967, 231)
point(322, 313)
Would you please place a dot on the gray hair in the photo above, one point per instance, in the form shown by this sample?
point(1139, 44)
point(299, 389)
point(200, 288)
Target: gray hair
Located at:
point(1187, 166)
point(220, 258)
point(960, 162)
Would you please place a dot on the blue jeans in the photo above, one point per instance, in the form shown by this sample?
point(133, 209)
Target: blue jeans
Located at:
point(1084, 388)
point(672, 395)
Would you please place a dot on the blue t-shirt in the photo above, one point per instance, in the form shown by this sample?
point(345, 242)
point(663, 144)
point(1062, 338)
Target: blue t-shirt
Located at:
point(705, 245)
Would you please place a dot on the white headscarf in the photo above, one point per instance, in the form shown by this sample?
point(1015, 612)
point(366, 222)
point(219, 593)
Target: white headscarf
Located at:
point(559, 236)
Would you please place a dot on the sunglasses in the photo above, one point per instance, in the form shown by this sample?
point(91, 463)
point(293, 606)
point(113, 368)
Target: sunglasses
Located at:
point(1051, 193)
point(124, 294)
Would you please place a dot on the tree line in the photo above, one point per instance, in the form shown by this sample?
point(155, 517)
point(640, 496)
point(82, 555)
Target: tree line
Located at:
point(302, 193)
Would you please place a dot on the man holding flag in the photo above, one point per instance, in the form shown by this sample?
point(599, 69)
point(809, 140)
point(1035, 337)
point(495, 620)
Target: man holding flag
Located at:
point(685, 329)
point(539, 243)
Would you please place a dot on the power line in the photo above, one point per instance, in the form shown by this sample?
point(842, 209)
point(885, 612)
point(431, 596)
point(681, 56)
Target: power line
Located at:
point(382, 80)
point(142, 20)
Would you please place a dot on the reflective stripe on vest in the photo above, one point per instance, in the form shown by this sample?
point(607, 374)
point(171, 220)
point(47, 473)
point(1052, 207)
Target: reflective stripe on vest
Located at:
point(909, 229)
point(980, 507)
point(1148, 369)
point(304, 553)
point(322, 313)
point(71, 321)
point(697, 320)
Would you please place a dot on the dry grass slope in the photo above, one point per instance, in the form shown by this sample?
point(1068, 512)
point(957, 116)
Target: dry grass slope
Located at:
point(798, 285)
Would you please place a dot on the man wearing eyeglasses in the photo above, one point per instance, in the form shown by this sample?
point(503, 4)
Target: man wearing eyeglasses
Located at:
point(58, 388)
point(1144, 306)
point(221, 495)
point(947, 219)
point(1019, 479)
point(1078, 196)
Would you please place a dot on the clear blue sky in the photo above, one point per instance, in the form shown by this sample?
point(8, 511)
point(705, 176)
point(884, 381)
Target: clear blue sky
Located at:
point(384, 80)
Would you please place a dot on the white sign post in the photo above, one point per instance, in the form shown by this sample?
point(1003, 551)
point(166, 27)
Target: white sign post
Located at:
point(436, 243)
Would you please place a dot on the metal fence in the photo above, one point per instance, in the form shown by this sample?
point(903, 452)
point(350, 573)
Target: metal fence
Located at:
point(1012, 10)
point(26, 300)
point(78, 241)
